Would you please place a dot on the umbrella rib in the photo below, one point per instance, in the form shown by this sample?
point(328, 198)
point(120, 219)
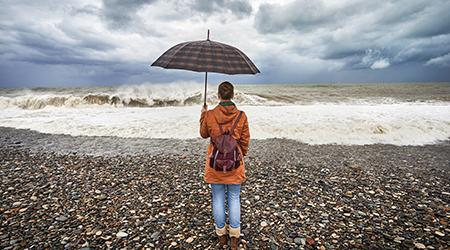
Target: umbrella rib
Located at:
point(199, 55)
point(213, 53)
point(181, 47)
point(256, 70)
point(225, 54)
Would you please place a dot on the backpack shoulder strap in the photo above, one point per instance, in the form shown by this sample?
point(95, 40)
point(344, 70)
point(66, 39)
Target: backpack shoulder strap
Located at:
point(236, 122)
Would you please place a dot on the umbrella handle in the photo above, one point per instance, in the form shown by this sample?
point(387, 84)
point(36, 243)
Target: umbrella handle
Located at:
point(206, 84)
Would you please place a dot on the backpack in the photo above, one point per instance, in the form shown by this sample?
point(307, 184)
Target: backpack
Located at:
point(225, 155)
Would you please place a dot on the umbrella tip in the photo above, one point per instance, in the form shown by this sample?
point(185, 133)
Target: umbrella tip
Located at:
point(207, 36)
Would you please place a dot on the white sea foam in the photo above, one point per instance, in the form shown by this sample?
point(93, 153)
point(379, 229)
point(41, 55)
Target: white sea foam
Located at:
point(398, 114)
point(396, 123)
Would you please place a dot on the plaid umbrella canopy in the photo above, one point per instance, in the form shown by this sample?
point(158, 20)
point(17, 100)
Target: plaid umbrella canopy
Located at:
point(206, 56)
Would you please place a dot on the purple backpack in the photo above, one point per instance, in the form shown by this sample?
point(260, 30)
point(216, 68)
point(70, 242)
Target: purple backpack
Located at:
point(225, 155)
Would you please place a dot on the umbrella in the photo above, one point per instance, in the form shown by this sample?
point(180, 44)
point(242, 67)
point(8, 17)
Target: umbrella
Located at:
point(206, 56)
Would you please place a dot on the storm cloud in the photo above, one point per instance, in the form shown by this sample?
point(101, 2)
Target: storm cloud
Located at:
point(118, 13)
point(362, 34)
point(48, 43)
point(240, 8)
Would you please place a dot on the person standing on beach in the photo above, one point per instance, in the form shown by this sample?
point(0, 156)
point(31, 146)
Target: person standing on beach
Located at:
point(225, 179)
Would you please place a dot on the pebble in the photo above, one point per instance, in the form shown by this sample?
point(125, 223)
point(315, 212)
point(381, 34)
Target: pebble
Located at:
point(362, 213)
point(439, 233)
point(310, 241)
point(61, 218)
point(420, 245)
point(17, 204)
point(399, 239)
point(121, 234)
point(101, 197)
point(190, 240)
point(155, 236)
point(299, 241)
point(263, 224)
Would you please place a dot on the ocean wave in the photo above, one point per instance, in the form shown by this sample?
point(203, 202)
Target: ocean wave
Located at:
point(191, 94)
point(154, 95)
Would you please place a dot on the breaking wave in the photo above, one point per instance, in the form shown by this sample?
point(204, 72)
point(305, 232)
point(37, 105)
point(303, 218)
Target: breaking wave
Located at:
point(147, 95)
point(191, 94)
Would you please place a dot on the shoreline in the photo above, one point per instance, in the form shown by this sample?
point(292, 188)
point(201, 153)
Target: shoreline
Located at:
point(115, 145)
point(77, 191)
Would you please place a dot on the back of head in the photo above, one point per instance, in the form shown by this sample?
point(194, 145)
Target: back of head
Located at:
point(226, 90)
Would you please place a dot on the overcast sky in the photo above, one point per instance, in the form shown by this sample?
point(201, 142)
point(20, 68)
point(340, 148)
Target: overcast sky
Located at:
point(110, 42)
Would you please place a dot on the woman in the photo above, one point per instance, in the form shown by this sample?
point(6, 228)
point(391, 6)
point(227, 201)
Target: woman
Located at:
point(226, 182)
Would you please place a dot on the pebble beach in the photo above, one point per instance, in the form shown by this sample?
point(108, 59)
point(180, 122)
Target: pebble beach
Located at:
point(83, 192)
point(345, 105)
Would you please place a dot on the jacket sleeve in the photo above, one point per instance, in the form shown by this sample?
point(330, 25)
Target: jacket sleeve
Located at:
point(245, 136)
point(204, 133)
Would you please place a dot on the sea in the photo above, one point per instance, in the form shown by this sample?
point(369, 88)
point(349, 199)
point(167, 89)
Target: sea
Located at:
point(349, 114)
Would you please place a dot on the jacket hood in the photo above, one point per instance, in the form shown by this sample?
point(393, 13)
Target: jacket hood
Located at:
point(225, 114)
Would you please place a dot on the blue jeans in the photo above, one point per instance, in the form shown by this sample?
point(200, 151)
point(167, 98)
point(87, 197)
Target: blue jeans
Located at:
point(234, 204)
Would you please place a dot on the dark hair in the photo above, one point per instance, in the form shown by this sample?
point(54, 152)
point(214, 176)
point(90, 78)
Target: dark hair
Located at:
point(226, 90)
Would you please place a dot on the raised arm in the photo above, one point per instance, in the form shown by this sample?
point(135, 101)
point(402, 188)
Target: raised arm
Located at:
point(204, 133)
point(245, 136)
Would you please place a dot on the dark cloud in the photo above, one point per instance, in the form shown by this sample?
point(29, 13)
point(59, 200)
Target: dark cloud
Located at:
point(363, 35)
point(86, 9)
point(307, 16)
point(274, 18)
point(431, 21)
point(440, 61)
point(239, 8)
point(119, 13)
point(34, 46)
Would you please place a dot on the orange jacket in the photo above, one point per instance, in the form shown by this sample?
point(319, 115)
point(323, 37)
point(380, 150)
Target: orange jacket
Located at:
point(226, 115)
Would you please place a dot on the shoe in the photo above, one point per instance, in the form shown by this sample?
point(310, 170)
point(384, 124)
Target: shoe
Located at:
point(234, 243)
point(223, 240)
point(222, 233)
